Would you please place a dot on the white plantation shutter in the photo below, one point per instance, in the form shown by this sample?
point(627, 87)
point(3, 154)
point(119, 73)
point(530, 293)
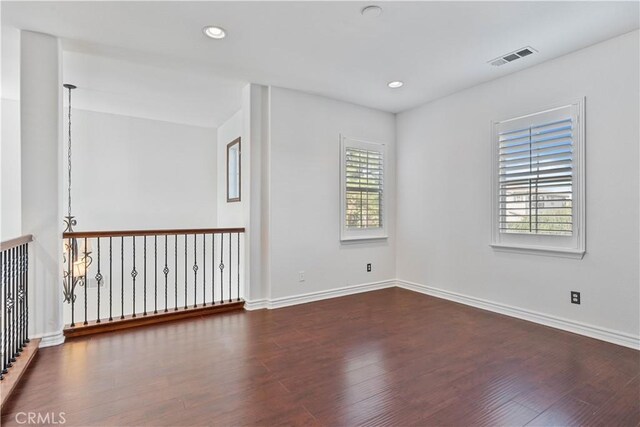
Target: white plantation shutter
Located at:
point(363, 201)
point(364, 188)
point(538, 180)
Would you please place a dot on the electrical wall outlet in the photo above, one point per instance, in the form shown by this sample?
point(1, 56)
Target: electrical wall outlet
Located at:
point(575, 297)
point(369, 268)
point(301, 276)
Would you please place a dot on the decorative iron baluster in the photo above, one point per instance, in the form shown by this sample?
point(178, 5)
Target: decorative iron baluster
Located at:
point(7, 300)
point(16, 266)
point(185, 272)
point(195, 271)
point(99, 280)
point(3, 315)
point(238, 295)
point(20, 295)
point(26, 293)
point(213, 269)
point(221, 266)
point(230, 267)
point(110, 279)
point(144, 304)
point(73, 289)
point(14, 322)
point(166, 273)
point(122, 277)
point(175, 274)
point(84, 261)
point(155, 275)
point(11, 303)
point(134, 273)
point(16, 302)
point(85, 281)
point(204, 270)
point(6, 313)
point(16, 305)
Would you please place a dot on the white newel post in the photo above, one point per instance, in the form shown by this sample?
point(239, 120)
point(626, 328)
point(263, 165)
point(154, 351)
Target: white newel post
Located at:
point(41, 139)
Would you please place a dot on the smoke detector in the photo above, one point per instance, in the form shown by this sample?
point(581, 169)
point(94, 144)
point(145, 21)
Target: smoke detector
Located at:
point(512, 56)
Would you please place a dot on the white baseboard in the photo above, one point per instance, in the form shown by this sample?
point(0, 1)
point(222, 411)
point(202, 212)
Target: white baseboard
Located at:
point(615, 337)
point(318, 296)
point(50, 339)
point(257, 304)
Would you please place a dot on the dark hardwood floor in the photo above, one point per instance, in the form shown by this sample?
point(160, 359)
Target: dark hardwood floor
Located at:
point(390, 357)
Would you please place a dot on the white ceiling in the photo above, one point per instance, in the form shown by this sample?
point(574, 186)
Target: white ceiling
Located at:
point(172, 93)
point(111, 83)
point(154, 53)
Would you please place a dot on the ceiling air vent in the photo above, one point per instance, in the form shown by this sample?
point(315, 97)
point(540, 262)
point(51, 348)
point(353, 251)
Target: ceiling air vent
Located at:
point(512, 56)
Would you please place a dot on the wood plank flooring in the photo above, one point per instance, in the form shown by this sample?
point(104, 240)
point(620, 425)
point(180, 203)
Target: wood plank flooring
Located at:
point(16, 372)
point(391, 357)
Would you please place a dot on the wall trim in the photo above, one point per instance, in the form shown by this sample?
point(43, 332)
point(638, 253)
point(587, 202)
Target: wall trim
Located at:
point(603, 334)
point(50, 339)
point(257, 304)
point(318, 296)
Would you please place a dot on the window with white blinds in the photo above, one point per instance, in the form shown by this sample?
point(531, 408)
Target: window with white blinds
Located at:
point(536, 179)
point(363, 212)
point(538, 185)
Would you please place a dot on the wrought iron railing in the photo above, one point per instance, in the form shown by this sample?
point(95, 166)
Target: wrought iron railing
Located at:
point(111, 276)
point(14, 258)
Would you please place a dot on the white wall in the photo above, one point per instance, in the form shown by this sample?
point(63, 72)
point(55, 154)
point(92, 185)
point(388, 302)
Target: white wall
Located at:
point(444, 201)
point(131, 173)
point(11, 223)
point(304, 190)
point(40, 156)
point(229, 214)
point(10, 201)
point(255, 190)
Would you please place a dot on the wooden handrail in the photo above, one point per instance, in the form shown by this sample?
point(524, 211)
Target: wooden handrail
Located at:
point(89, 234)
point(10, 244)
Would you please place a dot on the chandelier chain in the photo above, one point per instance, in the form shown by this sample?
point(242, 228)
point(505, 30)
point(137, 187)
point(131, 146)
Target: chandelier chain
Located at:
point(69, 156)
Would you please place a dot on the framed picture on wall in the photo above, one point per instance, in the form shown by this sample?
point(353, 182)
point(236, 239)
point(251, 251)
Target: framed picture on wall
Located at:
point(234, 169)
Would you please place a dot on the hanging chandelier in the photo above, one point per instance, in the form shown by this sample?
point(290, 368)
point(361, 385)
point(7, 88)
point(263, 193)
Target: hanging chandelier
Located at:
point(75, 259)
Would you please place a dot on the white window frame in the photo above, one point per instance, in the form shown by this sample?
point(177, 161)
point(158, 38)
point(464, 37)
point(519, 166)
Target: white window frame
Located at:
point(573, 246)
point(351, 235)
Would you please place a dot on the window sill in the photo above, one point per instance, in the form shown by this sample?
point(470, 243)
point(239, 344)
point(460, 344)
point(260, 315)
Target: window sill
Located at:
point(362, 239)
point(540, 250)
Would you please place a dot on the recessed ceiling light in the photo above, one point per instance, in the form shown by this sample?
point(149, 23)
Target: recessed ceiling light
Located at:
point(395, 84)
point(372, 11)
point(214, 32)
